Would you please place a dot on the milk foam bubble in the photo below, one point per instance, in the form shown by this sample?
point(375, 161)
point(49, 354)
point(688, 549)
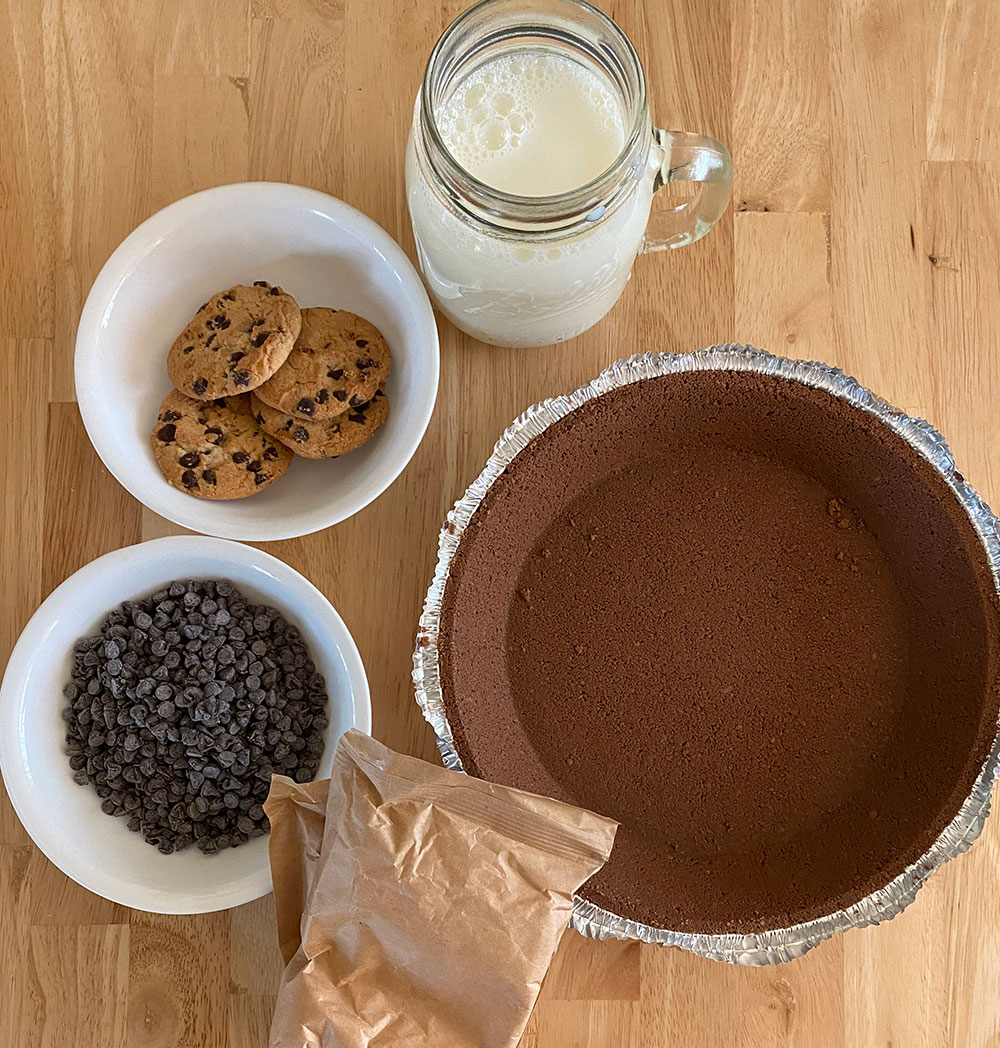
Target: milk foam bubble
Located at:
point(533, 124)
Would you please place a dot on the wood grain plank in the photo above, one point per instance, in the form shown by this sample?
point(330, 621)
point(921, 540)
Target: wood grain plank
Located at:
point(377, 120)
point(88, 512)
point(295, 99)
point(27, 174)
point(584, 969)
point(574, 1024)
point(22, 1009)
point(54, 899)
point(153, 526)
point(964, 277)
point(99, 60)
point(879, 269)
point(255, 962)
point(972, 888)
point(83, 978)
point(203, 39)
point(895, 977)
point(202, 135)
point(178, 994)
point(249, 1020)
point(685, 49)
point(783, 298)
point(781, 105)
point(963, 280)
point(799, 1004)
point(23, 402)
point(963, 109)
point(680, 300)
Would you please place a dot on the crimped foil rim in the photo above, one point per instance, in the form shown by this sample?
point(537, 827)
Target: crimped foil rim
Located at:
point(780, 944)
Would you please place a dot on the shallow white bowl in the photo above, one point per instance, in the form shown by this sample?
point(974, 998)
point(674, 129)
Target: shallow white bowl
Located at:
point(65, 819)
point(323, 252)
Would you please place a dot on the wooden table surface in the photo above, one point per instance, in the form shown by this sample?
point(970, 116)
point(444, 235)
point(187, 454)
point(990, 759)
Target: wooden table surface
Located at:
point(865, 231)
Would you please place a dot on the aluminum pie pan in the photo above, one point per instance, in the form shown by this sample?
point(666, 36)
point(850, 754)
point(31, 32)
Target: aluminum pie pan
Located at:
point(781, 944)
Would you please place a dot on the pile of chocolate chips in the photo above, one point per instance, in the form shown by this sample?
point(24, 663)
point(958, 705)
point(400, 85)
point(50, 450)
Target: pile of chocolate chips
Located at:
point(183, 706)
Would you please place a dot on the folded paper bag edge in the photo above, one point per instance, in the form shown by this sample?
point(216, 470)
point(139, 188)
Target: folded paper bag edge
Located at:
point(297, 813)
point(561, 823)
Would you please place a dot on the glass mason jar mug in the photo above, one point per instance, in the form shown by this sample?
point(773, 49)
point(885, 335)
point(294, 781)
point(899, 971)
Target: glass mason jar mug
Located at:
point(537, 245)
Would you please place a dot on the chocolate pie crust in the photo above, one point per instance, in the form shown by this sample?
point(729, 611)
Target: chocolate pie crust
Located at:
point(745, 619)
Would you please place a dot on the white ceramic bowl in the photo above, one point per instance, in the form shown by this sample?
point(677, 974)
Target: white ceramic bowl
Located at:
point(323, 252)
point(65, 819)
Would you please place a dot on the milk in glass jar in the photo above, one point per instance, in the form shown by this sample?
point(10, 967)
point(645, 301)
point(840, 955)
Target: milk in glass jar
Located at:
point(531, 167)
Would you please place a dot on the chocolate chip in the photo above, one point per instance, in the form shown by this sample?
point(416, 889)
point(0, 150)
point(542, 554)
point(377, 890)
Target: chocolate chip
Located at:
point(210, 340)
point(276, 291)
point(361, 342)
point(254, 466)
point(261, 283)
point(240, 456)
point(322, 396)
point(260, 338)
point(170, 416)
point(221, 321)
point(229, 298)
point(187, 755)
point(270, 453)
point(340, 394)
point(199, 386)
point(235, 357)
point(257, 323)
point(216, 433)
point(166, 433)
point(300, 434)
point(260, 478)
point(260, 419)
point(335, 373)
point(192, 458)
point(208, 476)
point(241, 378)
point(188, 479)
point(364, 363)
point(306, 407)
point(187, 349)
point(356, 417)
point(356, 400)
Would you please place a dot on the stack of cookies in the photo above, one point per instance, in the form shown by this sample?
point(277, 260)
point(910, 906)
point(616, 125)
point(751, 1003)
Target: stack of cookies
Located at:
point(316, 377)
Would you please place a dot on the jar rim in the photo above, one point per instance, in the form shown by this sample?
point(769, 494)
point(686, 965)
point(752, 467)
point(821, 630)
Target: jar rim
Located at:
point(486, 202)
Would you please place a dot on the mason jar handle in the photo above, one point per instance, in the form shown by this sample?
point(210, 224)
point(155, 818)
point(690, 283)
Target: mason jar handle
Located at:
point(684, 157)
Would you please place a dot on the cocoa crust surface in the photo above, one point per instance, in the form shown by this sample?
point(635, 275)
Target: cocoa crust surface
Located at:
point(743, 618)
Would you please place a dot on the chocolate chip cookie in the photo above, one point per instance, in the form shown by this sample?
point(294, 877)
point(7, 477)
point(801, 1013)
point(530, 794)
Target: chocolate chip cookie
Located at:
point(237, 340)
point(217, 450)
point(338, 362)
point(327, 438)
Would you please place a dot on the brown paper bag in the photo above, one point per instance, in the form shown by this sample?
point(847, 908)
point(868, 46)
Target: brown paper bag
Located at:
point(424, 910)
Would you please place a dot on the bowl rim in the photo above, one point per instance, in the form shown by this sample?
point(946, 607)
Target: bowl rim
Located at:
point(31, 642)
point(773, 946)
point(118, 268)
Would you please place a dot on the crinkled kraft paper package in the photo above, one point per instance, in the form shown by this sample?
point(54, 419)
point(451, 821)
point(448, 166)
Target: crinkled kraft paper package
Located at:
point(417, 906)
